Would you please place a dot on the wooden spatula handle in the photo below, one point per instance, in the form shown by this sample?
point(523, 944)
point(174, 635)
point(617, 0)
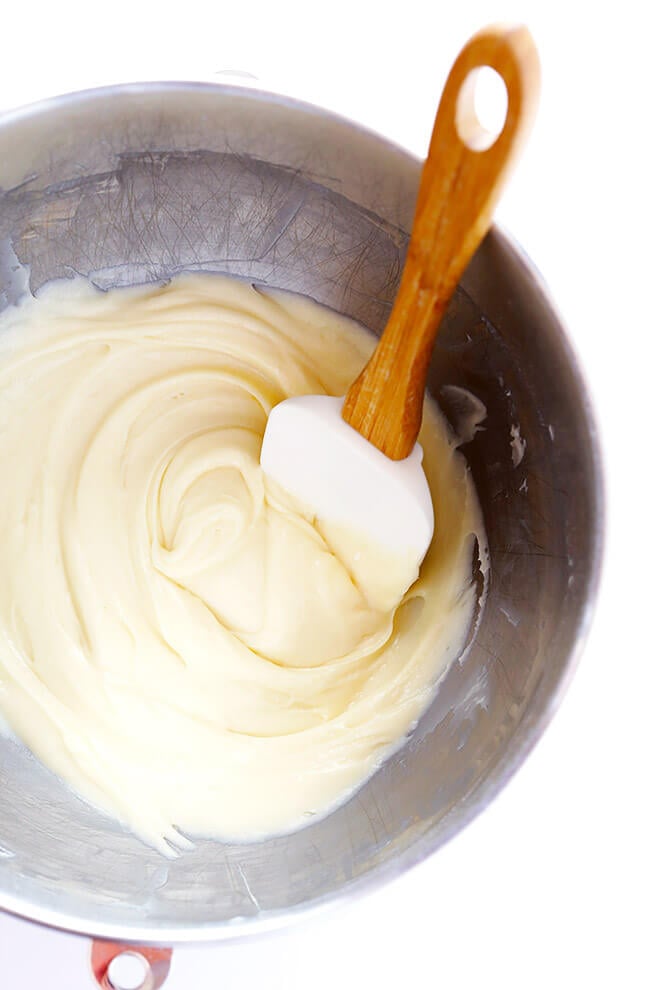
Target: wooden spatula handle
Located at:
point(459, 188)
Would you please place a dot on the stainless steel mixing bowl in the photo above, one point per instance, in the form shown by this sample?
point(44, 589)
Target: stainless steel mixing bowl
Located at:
point(139, 182)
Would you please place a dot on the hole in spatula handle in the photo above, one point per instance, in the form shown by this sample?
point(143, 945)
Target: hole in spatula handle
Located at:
point(481, 108)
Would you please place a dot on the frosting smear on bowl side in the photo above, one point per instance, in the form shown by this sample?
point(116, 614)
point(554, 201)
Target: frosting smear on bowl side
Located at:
point(178, 640)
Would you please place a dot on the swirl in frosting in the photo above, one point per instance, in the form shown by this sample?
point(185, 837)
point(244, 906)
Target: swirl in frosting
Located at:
point(186, 648)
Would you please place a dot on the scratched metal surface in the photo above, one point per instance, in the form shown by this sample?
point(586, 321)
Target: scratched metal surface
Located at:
point(137, 184)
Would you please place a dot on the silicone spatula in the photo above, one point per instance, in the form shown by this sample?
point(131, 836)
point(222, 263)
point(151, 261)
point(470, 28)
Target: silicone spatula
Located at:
point(354, 461)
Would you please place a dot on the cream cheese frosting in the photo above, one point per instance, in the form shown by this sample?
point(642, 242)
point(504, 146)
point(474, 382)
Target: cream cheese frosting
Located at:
point(179, 641)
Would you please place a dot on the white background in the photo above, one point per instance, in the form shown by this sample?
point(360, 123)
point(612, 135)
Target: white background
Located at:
point(557, 884)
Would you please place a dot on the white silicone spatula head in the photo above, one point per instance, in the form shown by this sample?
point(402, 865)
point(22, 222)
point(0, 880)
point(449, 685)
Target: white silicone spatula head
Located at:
point(355, 462)
point(313, 453)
